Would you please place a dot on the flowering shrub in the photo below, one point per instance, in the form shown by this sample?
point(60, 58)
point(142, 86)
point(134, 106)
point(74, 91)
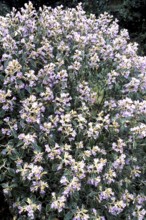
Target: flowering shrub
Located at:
point(73, 125)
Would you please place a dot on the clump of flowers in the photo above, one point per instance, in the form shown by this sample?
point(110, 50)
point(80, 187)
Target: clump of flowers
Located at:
point(72, 116)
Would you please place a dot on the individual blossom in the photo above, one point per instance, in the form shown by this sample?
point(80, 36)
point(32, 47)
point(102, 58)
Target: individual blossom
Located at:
point(99, 164)
point(31, 171)
point(107, 194)
point(79, 168)
point(81, 214)
point(110, 176)
point(38, 157)
point(72, 186)
point(119, 146)
point(53, 152)
point(128, 197)
point(31, 77)
point(58, 203)
point(47, 75)
point(132, 86)
point(94, 129)
point(135, 172)
point(39, 186)
point(32, 110)
point(117, 207)
point(140, 130)
point(127, 107)
point(85, 92)
point(119, 163)
point(30, 208)
point(139, 212)
point(141, 199)
point(94, 181)
point(27, 139)
point(13, 67)
point(6, 100)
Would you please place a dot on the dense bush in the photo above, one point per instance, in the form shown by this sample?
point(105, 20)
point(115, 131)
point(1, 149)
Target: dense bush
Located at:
point(73, 126)
point(131, 14)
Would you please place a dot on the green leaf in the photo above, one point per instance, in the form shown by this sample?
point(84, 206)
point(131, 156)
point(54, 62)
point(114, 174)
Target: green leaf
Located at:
point(20, 143)
point(47, 208)
point(2, 113)
point(68, 216)
point(11, 172)
point(37, 147)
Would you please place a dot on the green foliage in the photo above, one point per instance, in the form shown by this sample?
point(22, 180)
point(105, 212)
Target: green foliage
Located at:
point(4, 9)
point(132, 16)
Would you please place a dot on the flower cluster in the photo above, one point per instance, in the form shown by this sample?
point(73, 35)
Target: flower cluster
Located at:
point(72, 116)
